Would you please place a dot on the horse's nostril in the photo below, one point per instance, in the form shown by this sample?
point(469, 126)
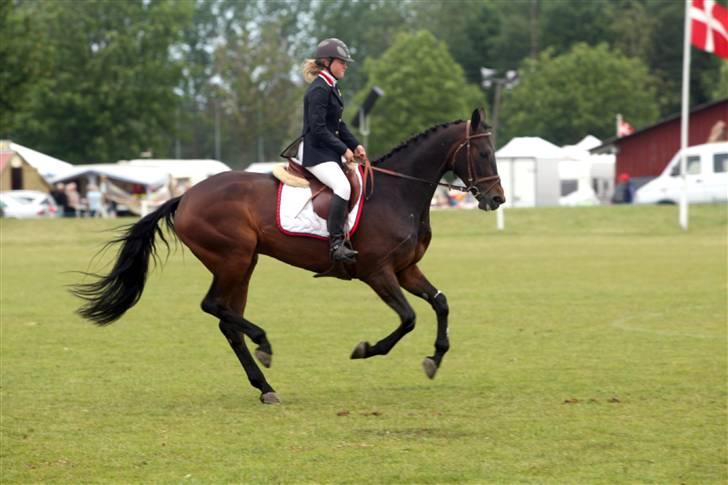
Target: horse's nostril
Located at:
point(499, 199)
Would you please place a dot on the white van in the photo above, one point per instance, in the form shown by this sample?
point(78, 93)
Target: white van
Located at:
point(707, 178)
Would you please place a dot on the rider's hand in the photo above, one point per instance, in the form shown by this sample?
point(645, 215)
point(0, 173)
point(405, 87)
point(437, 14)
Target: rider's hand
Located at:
point(360, 152)
point(348, 156)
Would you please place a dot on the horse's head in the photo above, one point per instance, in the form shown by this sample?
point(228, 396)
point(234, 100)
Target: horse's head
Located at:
point(474, 162)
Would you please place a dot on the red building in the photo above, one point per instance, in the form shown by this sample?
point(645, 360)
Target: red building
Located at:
point(646, 152)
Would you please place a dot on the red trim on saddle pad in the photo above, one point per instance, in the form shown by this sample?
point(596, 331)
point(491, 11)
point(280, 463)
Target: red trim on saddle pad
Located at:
point(316, 236)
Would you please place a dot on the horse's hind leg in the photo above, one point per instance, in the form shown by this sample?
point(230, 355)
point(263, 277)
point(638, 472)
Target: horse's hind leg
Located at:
point(387, 287)
point(226, 300)
point(412, 280)
point(264, 351)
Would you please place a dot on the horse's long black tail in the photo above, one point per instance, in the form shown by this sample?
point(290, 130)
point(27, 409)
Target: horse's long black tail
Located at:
point(110, 296)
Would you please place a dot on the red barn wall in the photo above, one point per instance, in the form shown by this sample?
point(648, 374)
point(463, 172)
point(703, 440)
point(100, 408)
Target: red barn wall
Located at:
point(646, 153)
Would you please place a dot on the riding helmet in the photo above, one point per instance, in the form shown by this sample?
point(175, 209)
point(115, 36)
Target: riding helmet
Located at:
point(333, 48)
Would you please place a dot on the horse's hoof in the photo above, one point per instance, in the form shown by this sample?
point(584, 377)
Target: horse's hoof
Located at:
point(360, 351)
point(263, 357)
point(430, 367)
point(270, 398)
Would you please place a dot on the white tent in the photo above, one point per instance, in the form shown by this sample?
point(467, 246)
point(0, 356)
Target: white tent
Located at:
point(529, 171)
point(586, 179)
point(148, 176)
point(588, 142)
point(48, 167)
point(184, 173)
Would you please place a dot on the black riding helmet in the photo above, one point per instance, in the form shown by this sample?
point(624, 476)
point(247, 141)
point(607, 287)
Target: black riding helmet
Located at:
point(333, 48)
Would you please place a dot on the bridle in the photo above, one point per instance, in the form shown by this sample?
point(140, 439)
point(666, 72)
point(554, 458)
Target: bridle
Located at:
point(472, 181)
point(449, 163)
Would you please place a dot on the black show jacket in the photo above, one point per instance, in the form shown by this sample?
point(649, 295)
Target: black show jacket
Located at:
point(325, 135)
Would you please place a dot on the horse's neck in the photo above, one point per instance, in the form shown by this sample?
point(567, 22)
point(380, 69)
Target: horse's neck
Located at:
point(425, 159)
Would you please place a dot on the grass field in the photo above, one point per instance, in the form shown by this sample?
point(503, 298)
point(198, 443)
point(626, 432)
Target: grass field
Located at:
point(587, 346)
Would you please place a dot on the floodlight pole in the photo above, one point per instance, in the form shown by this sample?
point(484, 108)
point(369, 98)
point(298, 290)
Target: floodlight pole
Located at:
point(361, 118)
point(364, 127)
point(496, 107)
point(509, 80)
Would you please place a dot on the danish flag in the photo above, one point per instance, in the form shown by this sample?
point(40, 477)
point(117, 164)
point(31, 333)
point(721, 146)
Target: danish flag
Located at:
point(623, 127)
point(709, 25)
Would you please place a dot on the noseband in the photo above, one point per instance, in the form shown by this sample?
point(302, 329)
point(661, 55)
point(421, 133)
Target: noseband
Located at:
point(449, 163)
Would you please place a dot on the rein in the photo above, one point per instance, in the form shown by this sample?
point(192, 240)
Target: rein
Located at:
point(449, 163)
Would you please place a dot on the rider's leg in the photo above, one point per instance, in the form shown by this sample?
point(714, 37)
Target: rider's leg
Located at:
point(331, 174)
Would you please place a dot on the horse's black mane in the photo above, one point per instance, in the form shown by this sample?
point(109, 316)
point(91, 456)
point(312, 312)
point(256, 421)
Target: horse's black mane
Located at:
point(414, 138)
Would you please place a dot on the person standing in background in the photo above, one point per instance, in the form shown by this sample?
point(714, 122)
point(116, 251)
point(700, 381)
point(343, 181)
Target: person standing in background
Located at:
point(73, 199)
point(59, 196)
point(94, 200)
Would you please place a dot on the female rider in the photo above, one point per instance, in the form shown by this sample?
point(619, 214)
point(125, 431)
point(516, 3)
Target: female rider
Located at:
point(326, 142)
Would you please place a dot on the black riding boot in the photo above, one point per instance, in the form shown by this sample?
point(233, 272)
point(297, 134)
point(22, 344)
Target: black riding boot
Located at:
point(335, 225)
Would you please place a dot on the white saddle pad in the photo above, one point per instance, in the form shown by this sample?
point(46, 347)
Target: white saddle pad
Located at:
point(295, 215)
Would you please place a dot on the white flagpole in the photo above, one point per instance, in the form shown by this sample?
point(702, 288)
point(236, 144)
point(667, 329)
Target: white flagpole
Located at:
point(500, 219)
point(683, 217)
point(619, 123)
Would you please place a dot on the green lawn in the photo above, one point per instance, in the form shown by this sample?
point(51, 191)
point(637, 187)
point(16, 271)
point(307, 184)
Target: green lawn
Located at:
point(587, 346)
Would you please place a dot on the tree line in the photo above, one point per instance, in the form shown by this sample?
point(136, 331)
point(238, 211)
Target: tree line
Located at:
point(93, 81)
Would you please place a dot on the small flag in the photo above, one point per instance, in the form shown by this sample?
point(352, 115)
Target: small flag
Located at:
point(623, 127)
point(709, 26)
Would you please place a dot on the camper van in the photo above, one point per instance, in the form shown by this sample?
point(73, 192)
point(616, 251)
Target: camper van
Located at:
point(707, 178)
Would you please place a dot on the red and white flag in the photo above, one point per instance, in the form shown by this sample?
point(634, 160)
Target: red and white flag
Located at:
point(623, 127)
point(709, 27)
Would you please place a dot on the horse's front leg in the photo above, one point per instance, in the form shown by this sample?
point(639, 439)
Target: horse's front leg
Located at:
point(387, 287)
point(412, 280)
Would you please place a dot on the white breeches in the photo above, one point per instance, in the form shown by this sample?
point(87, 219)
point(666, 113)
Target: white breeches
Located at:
point(331, 174)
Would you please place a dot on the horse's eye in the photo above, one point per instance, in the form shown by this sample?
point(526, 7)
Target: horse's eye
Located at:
point(483, 154)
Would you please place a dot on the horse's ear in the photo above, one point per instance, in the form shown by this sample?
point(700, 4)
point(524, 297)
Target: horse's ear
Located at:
point(477, 119)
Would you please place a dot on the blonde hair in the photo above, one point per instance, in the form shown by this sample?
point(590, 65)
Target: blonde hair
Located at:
point(311, 69)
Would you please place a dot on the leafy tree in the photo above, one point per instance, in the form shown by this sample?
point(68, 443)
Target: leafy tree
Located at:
point(259, 98)
point(469, 28)
point(565, 97)
point(368, 27)
point(423, 86)
point(195, 117)
point(518, 34)
point(566, 22)
point(108, 91)
point(226, 50)
point(721, 89)
point(632, 27)
point(22, 60)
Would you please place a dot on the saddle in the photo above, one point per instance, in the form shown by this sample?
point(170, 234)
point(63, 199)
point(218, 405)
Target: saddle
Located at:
point(296, 175)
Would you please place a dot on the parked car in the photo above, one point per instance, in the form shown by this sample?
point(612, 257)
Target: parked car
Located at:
point(707, 178)
point(23, 204)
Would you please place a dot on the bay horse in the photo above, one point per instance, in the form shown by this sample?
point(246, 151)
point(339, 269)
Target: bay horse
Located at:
point(230, 218)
